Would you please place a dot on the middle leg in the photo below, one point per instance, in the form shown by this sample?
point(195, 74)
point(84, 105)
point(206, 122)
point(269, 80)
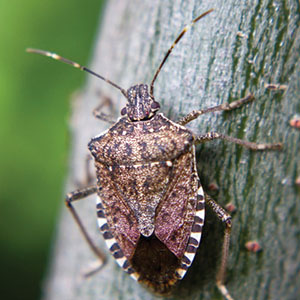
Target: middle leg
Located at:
point(253, 146)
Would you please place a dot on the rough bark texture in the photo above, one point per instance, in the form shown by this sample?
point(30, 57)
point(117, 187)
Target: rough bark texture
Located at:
point(236, 49)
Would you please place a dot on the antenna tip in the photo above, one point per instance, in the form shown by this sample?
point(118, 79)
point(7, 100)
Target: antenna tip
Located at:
point(38, 51)
point(30, 50)
point(205, 13)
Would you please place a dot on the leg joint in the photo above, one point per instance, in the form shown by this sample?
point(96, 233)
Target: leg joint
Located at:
point(228, 222)
point(68, 199)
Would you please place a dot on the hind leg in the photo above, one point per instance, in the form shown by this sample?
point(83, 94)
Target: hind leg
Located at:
point(226, 219)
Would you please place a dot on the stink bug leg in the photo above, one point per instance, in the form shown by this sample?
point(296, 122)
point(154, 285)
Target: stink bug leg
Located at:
point(79, 195)
point(226, 106)
point(226, 218)
point(97, 112)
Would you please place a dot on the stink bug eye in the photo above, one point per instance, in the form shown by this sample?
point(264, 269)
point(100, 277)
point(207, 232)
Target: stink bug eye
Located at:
point(123, 111)
point(151, 205)
point(155, 105)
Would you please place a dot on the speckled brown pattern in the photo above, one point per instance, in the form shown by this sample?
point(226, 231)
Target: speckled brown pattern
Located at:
point(147, 174)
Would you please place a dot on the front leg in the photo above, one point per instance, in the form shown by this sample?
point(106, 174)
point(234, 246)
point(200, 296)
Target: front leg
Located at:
point(103, 116)
point(226, 106)
point(97, 112)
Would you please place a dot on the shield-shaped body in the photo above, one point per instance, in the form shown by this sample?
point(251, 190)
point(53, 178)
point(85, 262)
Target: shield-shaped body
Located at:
point(151, 204)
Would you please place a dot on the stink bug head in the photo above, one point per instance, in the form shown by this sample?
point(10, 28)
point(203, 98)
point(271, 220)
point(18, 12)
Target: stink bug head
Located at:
point(140, 106)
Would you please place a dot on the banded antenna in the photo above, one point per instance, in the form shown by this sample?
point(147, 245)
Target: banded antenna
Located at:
point(123, 91)
point(76, 65)
point(185, 29)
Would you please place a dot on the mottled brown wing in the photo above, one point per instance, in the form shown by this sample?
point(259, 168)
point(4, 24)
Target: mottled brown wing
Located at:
point(119, 216)
point(139, 165)
point(175, 214)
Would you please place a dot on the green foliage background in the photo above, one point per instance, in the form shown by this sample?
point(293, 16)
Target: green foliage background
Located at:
point(34, 105)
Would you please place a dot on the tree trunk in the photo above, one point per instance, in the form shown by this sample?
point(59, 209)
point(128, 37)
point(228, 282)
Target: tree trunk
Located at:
point(233, 51)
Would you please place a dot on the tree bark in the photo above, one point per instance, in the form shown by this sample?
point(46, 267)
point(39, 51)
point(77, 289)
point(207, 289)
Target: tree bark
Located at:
point(233, 51)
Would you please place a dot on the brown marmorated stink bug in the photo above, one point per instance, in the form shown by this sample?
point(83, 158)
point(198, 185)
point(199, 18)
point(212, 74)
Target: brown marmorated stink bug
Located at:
point(150, 201)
